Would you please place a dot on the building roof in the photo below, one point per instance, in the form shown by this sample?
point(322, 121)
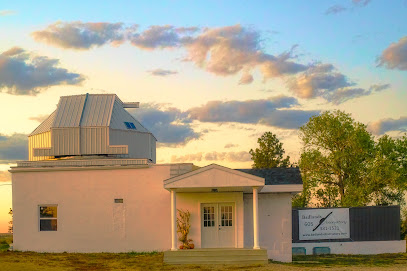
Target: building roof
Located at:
point(90, 110)
point(276, 176)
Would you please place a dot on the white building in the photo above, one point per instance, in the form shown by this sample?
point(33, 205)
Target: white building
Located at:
point(91, 185)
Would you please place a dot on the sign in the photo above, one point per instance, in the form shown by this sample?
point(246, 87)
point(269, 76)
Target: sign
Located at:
point(316, 224)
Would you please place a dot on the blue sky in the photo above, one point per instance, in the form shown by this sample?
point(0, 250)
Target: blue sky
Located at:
point(211, 76)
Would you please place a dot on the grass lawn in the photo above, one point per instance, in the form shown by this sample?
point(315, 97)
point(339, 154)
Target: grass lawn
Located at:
point(11, 261)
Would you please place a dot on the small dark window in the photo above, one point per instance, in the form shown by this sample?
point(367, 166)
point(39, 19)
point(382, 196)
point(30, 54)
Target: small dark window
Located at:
point(48, 218)
point(130, 125)
point(118, 200)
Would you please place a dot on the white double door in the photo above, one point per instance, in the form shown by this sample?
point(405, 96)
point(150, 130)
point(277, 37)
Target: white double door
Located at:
point(217, 225)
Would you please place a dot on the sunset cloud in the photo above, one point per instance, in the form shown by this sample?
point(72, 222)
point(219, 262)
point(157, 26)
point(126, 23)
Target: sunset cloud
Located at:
point(160, 37)
point(274, 111)
point(169, 126)
point(23, 73)
point(386, 125)
point(5, 176)
point(317, 81)
point(250, 111)
point(335, 9)
point(231, 49)
point(222, 51)
point(162, 72)
point(6, 12)
point(242, 156)
point(395, 56)
point(230, 145)
point(187, 158)
point(79, 35)
point(13, 147)
point(39, 118)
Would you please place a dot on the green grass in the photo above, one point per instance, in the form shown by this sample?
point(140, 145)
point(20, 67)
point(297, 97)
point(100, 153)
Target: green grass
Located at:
point(395, 259)
point(15, 260)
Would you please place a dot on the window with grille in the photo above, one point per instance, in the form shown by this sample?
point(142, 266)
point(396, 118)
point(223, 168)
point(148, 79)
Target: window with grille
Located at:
point(226, 216)
point(209, 216)
point(48, 218)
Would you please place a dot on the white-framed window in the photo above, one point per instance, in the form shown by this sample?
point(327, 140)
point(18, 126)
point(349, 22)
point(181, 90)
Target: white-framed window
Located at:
point(48, 216)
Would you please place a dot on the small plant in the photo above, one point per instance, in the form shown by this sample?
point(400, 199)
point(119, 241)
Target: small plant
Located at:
point(183, 226)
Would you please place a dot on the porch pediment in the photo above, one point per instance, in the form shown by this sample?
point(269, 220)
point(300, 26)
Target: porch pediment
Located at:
point(214, 177)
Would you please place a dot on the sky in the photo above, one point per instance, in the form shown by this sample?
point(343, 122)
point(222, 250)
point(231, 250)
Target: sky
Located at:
point(211, 76)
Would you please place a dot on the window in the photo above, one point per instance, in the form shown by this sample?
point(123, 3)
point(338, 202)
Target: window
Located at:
point(227, 216)
point(209, 216)
point(48, 218)
point(118, 200)
point(130, 125)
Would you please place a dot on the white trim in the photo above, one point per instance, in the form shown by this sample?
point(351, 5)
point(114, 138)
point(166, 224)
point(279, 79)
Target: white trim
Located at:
point(168, 182)
point(281, 188)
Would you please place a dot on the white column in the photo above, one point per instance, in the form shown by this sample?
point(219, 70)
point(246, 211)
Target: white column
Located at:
point(255, 219)
point(173, 220)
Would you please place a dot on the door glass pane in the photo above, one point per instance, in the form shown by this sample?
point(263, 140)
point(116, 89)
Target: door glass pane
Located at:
point(226, 216)
point(209, 216)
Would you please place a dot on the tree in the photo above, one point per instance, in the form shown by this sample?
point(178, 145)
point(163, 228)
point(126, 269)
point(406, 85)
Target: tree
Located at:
point(10, 227)
point(345, 167)
point(270, 152)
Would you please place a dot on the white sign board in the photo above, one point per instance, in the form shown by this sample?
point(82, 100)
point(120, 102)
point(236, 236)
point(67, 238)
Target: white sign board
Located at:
point(317, 224)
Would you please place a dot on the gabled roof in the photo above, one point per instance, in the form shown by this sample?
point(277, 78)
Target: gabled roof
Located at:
point(90, 110)
point(276, 176)
point(214, 176)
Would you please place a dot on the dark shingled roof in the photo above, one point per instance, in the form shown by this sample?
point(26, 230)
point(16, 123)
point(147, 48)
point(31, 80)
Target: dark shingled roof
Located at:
point(273, 176)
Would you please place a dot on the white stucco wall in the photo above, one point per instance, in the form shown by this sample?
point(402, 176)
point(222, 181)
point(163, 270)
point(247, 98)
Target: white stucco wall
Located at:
point(367, 247)
point(192, 202)
point(88, 218)
point(274, 224)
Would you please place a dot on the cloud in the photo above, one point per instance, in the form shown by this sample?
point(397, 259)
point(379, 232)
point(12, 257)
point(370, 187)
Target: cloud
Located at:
point(395, 56)
point(22, 73)
point(230, 145)
point(379, 87)
point(319, 80)
point(187, 158)
point(81, 36)
point(361, 2)
point(231, 49)
point(161, 72)
point(386, 125)
point(6, 12)
point(39, 118)
point(5, 176)
point(242, 156)
point(267, 112)
point(160, 37)
point(13, 147)
point(246, 79)
point(222, 51)
point(170, 126)
point(335, 9)
point(288, 119)
point(339, 8)
point(250, 111)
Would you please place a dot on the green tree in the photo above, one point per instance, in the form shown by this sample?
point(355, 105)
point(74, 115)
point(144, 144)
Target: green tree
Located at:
point(270, 152)
point(345, 167)
point(10, 227)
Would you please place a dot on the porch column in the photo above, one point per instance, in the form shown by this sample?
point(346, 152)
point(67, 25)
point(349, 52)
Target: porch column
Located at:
point(173, 220)
point(255, 219)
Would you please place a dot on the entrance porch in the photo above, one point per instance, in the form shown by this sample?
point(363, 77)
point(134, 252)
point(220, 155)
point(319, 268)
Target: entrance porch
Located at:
point(214, 197)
